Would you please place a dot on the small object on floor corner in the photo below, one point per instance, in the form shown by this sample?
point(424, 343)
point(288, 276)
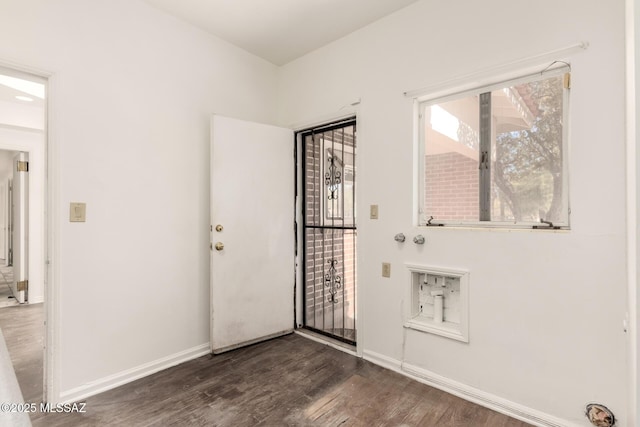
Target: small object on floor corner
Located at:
point(600, 415)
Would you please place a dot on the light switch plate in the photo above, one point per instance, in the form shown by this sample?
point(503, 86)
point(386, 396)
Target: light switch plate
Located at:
point(77, 212)
point(386, 269)
point(373, 212)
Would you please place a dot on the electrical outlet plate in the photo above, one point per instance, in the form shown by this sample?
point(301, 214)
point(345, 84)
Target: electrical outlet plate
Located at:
point(386, 269)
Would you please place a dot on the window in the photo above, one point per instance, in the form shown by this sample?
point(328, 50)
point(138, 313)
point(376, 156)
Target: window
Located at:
point(497, 155)
point(338, 172)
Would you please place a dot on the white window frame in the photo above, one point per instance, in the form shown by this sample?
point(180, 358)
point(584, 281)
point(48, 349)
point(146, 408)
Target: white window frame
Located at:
point(476, 88)
point(342, 189)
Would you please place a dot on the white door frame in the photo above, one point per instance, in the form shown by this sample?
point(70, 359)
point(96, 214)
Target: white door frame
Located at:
point(48, 197)
point(632, 320)
point(344, 113)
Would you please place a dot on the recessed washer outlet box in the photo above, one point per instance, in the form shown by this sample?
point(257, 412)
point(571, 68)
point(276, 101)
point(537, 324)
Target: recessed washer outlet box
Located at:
point(438, 301)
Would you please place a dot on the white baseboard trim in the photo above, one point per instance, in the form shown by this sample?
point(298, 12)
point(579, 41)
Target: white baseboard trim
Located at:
point(382, 360)
point(482, 398)
point(124, 377)
point(36, 299)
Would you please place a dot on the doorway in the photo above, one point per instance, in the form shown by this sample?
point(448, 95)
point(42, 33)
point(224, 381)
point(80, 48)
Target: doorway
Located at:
point(329, 229)
point(23, 112)
point(14, 228)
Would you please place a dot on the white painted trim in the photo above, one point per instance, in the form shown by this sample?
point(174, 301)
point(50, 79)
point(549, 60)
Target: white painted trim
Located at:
point(116, 380)
point(444, 329)
point(349, 110)
point(466, 392)
point(321, 340)
point(494, 74)
point(360, 290)
point(382, 360)
point(21, 128)
point(632, 325)
point(485, 399)
point(52, 254)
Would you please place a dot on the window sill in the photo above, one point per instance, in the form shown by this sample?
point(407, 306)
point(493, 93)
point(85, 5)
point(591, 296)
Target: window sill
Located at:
point(496, 227)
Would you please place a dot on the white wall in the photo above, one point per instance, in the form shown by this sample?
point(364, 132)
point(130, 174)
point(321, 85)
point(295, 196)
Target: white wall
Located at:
point(546, 309)
point(132, 91)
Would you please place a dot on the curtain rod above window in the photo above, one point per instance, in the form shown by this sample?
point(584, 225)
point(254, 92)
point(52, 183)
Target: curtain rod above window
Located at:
point(481, 77)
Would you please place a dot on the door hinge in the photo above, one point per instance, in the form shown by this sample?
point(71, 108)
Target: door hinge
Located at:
point(23, 166)
point(23, 285)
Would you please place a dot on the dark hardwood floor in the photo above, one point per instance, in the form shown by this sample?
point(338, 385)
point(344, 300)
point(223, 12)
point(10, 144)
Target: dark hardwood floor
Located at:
point(289, 381)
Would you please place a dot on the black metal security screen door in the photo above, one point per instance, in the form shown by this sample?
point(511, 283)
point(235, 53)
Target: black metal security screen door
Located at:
point(329, 173)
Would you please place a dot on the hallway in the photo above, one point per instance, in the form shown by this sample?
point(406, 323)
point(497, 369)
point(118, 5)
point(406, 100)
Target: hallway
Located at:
point(23, 330)
point(6, 296)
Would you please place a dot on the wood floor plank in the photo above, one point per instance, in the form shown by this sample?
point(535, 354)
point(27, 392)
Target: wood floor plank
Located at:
point(288, 381)
point(500, 420)
point(460, 413)
point(429, 409)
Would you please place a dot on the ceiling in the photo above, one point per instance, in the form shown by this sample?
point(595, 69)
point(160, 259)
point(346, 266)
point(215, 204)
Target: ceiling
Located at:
point(8, 94)
point(22, 101)
point(20, 88)
point(280, 30)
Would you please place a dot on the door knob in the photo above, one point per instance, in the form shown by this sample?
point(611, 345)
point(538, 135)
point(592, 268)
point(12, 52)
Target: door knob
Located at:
point(219, 246)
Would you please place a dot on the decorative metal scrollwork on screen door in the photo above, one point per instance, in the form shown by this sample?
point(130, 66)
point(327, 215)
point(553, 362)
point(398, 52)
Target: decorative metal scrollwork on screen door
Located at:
point(332, 178)
point(332, 281)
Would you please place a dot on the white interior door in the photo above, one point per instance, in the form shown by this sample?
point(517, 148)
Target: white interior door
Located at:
point(20, 226)
point(252, 206)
